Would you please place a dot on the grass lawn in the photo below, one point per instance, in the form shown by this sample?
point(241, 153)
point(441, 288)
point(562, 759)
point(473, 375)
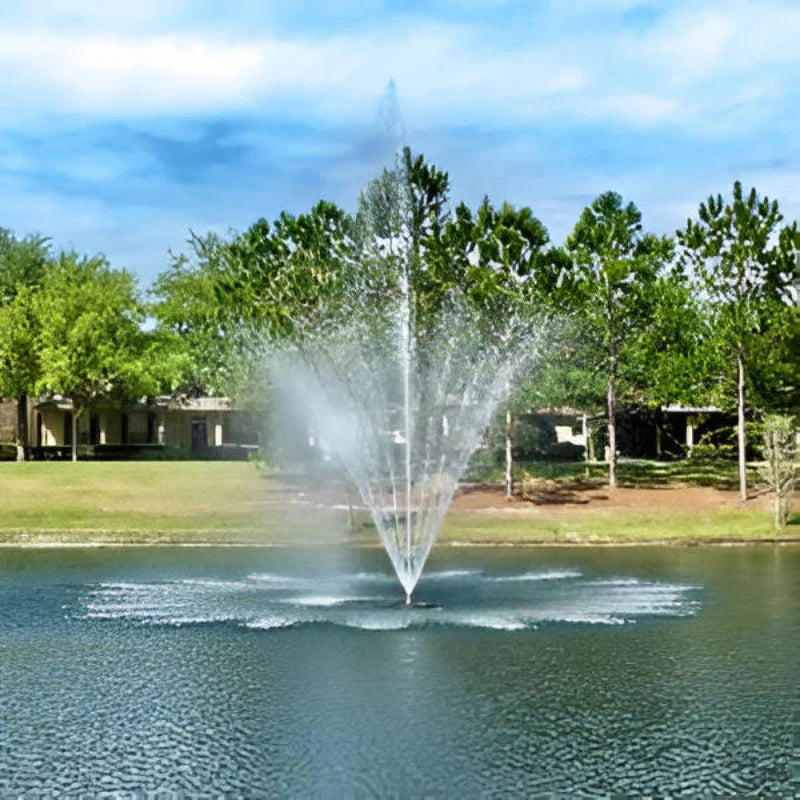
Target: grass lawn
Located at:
point(620, 528)
point(630, 472)
point(217, 502)
point(160, 501)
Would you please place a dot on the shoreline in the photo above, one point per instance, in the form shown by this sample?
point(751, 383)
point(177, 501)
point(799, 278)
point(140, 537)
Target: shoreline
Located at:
point(456, 543)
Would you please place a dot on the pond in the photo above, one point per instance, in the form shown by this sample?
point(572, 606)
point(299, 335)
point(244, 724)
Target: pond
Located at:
point(297, 672)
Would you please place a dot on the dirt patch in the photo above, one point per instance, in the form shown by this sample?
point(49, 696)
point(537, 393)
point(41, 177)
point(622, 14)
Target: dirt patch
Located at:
point(555, 499)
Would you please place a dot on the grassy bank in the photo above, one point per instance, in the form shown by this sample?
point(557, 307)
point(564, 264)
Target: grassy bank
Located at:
point(620, 528)
point(191, 501)
point(217, 502)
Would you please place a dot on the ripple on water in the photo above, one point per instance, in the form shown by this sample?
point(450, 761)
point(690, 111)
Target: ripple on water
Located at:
point(368, 601)
point(520, 682)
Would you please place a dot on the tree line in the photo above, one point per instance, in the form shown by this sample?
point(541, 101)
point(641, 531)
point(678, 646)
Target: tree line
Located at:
point(708, 316)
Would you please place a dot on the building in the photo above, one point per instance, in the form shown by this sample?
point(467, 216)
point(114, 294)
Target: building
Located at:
point(166, 427)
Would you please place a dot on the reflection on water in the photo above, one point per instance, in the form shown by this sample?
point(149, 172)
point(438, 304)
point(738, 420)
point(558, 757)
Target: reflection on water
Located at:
point(297, 673)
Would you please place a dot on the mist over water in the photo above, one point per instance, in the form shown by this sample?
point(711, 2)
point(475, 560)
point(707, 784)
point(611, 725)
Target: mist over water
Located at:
point(403, 425)
point(364, 600)
point(401, 377)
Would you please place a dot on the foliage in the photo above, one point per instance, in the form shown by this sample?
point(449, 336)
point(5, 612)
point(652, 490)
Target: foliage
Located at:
point(19, 360)
point(270, 280)
point(23, 263)
point(22, 266)
point(665, 359)
point(200, 355)
point(744, 263)
point(614, 272)
point(89, 338)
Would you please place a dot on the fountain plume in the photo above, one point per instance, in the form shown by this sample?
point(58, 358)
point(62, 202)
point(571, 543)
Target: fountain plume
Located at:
point(402, 379)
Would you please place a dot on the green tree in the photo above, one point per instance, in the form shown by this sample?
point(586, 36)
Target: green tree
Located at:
point(506, 259)
point(780, 451)
point(615, 267)
point(22, 265)
point(89, 336)
point(271, 281)
point(201, 356)
point(23, 262)
point(744, 262)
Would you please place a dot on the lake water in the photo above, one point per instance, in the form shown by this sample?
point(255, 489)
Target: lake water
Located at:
point(283, 672)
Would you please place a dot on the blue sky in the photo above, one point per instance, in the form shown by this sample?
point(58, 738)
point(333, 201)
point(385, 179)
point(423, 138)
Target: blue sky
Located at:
point(123, 128)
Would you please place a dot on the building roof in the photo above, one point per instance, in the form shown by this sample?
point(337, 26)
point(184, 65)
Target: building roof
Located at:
point(558, 411)
point(676, 408)
point(196, 403)
point(164, 402)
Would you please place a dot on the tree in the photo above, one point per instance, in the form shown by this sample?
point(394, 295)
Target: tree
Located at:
point(19, 362)
point(615, 266)
point(510, 248)
point(271, 280)
point(743, 263)
point(89, 336)
point(780, 450)
point(200, 354)
point(22, 265)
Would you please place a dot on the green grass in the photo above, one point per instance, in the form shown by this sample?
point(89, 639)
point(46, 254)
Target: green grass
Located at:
point(189, 501)
point(217, 502)
point(619, 528)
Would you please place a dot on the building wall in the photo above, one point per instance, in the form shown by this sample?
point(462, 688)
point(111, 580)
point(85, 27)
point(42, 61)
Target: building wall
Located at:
point(222, 427)
point(137, 427)
point(111, 424)
point(8, 421)
point(52, 426)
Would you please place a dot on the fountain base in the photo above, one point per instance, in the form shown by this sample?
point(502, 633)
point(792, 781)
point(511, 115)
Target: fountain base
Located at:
point(415, 604)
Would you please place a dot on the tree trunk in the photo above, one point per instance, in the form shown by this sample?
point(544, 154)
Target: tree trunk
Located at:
point(585, 434)
point(776, 472)
point(22, 426)
point(74, 433)
point(741, 432)
point(509, 457)
point(612, 420)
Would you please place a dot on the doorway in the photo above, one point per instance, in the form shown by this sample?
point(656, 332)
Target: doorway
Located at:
point(199, 434)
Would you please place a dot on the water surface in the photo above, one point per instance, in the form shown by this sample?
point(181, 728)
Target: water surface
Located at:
point(296, 672)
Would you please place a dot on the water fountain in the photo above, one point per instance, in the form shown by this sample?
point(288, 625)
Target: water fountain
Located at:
point(402, 380)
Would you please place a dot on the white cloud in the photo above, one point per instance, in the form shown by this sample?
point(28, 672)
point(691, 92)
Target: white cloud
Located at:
point(441, 70)
point(703, 71)
point(107, 74)
point(92, 15)
point(445, 71)
point(700, 41)
point(691, 45)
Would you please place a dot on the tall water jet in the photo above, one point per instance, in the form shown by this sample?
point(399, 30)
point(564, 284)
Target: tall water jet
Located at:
point(405, 362)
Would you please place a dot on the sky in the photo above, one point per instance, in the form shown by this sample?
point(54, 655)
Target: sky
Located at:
point(126, 126)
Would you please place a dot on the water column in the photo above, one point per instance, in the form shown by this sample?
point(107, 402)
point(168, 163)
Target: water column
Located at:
point(405, 361)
